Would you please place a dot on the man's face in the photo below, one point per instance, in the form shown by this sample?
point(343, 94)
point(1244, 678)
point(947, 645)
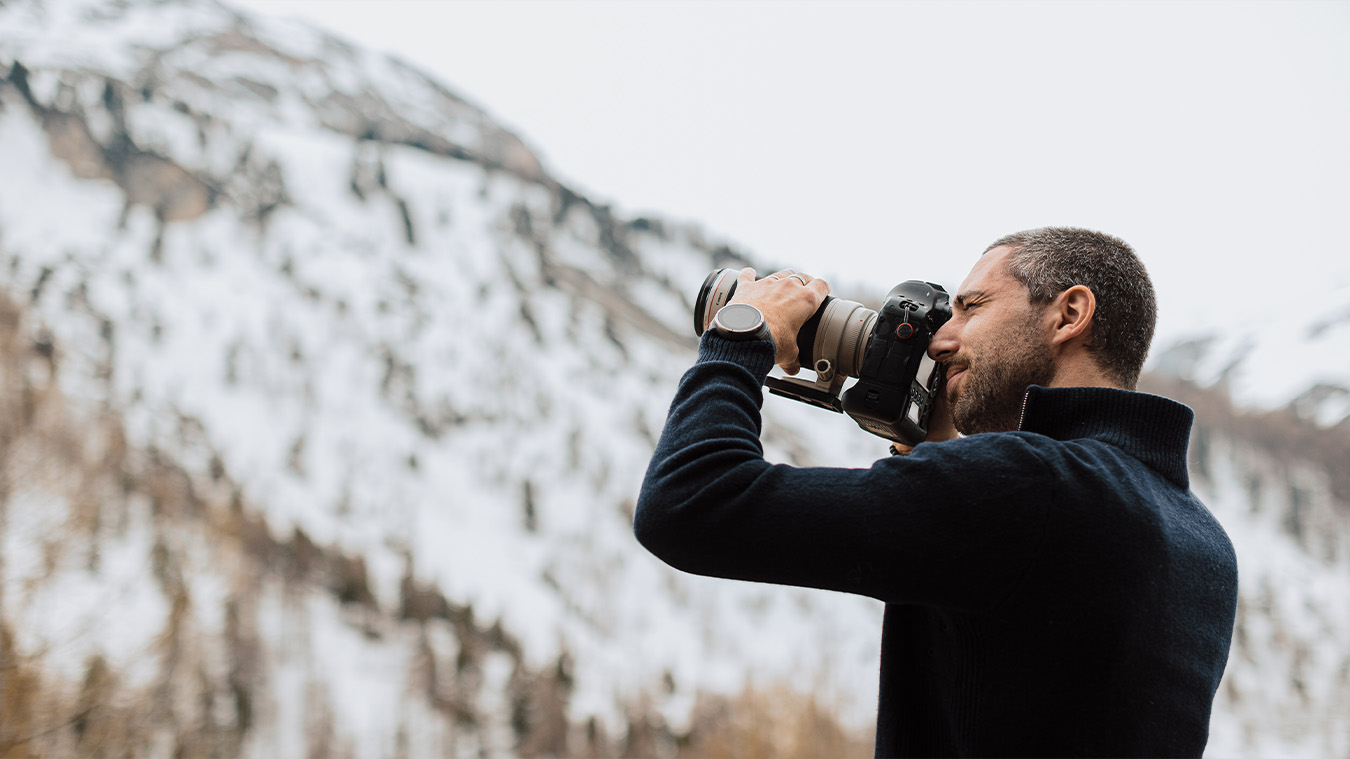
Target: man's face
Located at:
point(995, 346)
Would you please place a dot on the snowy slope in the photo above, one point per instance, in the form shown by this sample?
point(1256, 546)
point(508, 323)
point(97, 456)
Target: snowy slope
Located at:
point(395, 334)
point(1295, 353)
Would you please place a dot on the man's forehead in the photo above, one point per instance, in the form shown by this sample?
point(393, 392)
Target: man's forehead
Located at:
point(990, 272)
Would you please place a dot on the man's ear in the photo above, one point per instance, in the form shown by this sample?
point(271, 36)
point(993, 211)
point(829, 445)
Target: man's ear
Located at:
point(1073, 311)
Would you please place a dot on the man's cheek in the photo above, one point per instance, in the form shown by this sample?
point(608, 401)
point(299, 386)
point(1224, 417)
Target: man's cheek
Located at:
point(955, 383)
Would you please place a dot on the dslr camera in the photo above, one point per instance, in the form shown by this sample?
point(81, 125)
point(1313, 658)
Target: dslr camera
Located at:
point(885, 350)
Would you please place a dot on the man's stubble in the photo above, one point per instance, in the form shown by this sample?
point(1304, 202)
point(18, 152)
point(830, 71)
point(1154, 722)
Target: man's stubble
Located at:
point(997, 378)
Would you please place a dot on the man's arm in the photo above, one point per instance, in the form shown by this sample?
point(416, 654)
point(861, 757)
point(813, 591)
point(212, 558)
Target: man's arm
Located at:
point(953, 524)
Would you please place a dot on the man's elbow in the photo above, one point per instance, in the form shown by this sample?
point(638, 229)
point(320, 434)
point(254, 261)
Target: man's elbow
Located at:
point(651, 526)
point(677, 514)
point(659, 527)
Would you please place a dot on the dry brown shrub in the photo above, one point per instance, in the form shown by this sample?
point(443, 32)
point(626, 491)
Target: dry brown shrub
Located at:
point(757, 723)
point(539, 709)
point(778, 721)
point(19, 687)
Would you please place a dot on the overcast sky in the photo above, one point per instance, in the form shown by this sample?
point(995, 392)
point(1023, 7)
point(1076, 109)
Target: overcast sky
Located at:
point(876, 142)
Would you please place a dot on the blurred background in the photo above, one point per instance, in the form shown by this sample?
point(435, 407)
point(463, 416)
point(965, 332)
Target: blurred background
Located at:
point(337, 336)
point(869, 139)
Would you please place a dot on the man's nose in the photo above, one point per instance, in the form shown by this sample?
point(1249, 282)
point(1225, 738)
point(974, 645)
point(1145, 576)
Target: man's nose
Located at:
point(944, 344)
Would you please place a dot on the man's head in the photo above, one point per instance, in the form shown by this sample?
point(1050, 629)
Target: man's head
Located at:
point(1053, 306)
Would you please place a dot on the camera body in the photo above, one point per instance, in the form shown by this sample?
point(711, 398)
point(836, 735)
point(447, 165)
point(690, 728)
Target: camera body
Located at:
point(886, 350)
point(897, 383)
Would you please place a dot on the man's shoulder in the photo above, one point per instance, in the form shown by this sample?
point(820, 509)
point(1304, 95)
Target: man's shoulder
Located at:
point(1075, 471)
point(1003, 467)
point(985, 447)
point(1018, 444)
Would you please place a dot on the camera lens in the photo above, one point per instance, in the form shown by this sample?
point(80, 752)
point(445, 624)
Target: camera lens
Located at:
point(837, 334)
point(716, 291)
point(832, 341)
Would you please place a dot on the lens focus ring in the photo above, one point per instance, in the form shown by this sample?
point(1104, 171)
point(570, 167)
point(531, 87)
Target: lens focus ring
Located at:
point(841, 336)
point(716, 292)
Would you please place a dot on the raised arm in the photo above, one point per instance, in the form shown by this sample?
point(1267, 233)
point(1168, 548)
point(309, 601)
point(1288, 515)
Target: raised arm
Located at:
point(953, 524)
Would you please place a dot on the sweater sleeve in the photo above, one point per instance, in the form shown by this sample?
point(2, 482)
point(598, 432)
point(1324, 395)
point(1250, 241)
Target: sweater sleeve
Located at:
point(953, 524)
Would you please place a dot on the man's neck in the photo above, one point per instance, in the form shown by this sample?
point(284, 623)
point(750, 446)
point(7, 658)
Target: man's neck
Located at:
point(1081, 371)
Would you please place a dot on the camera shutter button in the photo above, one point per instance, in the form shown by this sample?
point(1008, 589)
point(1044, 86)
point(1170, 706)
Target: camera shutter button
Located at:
point(905, 331)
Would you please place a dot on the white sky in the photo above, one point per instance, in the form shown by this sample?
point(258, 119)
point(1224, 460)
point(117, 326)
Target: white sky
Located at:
point(874, 142)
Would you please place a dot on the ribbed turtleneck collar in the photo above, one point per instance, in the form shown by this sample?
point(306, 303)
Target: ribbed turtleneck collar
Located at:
point(1151, 428)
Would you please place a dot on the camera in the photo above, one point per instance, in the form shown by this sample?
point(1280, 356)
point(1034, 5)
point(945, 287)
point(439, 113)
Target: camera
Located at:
point(885, 350)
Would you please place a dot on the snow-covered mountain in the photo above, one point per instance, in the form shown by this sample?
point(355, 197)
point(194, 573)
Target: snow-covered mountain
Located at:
point(1296, 359)
point(326, 406)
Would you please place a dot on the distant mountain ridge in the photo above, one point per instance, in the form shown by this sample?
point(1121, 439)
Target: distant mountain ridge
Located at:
point(380, 392)
point(1297, 356)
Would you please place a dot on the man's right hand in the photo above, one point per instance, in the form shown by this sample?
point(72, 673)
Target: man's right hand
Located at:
point(786, 299)
point(940, 426)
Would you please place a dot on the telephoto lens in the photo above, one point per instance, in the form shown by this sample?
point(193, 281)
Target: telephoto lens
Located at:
point(831, 342)
point(886, 351)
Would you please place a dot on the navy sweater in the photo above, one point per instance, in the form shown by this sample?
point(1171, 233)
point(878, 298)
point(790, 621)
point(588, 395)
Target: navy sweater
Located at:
point(1052, 591)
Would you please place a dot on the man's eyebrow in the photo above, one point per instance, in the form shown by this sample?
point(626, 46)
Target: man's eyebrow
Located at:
point(962, 299)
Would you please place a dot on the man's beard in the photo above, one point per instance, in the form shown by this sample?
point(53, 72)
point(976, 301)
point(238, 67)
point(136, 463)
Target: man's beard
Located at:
point(992, 389)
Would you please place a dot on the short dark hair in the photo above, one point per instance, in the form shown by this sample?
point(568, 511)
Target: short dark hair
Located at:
point(1050, 260)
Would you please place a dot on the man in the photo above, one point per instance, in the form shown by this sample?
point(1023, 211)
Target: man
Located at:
point(1052, 587)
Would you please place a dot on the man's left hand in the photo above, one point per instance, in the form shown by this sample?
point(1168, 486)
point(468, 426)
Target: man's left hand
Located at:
point(787, 299)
